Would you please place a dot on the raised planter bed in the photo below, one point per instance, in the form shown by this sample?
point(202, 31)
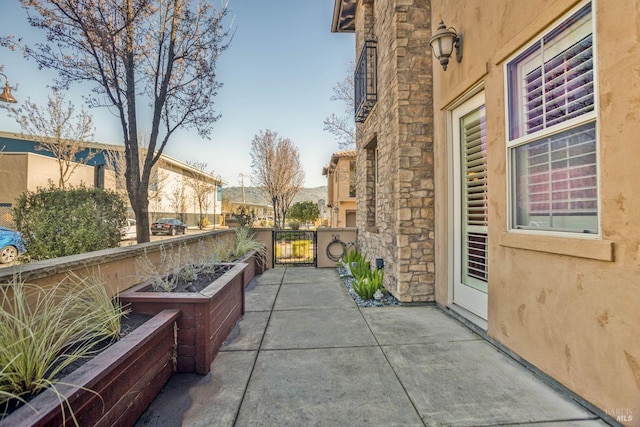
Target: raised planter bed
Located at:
point(206, 317)
point(255, 265)
point(124, 379)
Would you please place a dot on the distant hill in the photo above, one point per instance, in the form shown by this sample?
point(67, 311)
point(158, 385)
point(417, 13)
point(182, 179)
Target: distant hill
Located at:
point(253, 195)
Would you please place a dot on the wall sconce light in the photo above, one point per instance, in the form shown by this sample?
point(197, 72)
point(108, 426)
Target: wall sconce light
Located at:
point(379, 263)
point(443, 42)
point(6, 96)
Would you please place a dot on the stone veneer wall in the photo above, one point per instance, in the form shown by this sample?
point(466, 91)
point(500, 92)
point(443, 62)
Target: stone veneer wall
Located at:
point(400, 227)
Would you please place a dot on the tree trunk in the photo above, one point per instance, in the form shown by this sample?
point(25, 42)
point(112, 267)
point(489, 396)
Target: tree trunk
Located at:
point(140, 208)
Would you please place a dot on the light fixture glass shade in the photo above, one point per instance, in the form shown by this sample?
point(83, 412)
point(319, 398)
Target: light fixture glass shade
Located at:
point(442, 43)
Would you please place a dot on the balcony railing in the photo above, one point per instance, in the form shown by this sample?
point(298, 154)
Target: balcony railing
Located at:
point(366, 80)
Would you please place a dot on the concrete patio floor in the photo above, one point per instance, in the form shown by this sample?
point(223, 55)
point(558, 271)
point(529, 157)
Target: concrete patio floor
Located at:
point(305, 354)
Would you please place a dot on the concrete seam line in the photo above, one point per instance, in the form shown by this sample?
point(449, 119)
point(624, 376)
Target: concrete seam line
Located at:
point(415, 408)
point(255, 360)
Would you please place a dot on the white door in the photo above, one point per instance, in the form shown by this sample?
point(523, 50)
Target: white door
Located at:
point(470, 206)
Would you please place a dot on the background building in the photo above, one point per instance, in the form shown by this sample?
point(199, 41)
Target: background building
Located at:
point(341, 188)
point(24, 168)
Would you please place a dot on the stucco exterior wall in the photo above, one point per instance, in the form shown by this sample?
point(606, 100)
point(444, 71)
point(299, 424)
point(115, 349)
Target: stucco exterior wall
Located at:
point(330, 242)
point(568, 305)
point(13, 176)
point(339, 180)
point(395, 217)
point(172, 183)
point(20, 172)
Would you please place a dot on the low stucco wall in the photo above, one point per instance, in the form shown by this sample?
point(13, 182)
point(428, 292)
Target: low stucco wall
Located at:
point(116, 266)
point(325, 238)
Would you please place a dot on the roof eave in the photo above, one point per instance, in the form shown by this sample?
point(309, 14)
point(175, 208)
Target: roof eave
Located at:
point(343, 16)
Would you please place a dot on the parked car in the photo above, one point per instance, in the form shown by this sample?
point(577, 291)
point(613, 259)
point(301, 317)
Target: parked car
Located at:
point(170, 226)
point(11, 244)
point(129, 230)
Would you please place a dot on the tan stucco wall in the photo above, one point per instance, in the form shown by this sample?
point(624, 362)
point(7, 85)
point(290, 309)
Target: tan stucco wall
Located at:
point(13, 176)
point(569, 306)
point(20, 172)
point(265, 236)
point(326, 237)
point(339, 178)
point(344, 207)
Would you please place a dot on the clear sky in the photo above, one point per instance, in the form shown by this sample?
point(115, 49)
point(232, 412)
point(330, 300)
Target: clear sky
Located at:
point(278, 74)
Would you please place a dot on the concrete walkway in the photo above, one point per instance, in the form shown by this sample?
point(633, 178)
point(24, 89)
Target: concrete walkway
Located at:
point(305, 354)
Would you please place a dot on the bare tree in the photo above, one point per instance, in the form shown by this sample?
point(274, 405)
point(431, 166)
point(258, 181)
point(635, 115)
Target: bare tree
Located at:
point(202, 187)
point(162, 53)
point(115, 160)
point(276, 171)
point(292, 176)
point(343, 127)
point(226, 206)
point(177, 198)
point(57, 129)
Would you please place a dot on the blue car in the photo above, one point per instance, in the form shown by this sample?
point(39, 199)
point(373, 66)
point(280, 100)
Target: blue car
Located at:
point(11, 244)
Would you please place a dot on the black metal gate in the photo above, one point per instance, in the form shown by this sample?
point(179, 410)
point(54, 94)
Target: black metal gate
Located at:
point(295, 247)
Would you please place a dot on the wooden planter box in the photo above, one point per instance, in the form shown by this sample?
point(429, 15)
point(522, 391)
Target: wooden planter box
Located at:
point(125, 378)
point(206, 317)
point(255, 265)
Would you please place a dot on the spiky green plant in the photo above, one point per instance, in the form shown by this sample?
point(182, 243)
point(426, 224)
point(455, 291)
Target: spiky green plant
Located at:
point(351, 258)
point(42, 331)
point(245, 241)
point(222, 249)
point(352, 255)
point(360, 269)
point(367, 285)
point(105, 313)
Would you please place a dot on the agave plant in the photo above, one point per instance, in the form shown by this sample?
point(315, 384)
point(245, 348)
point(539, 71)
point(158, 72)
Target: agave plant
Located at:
point(367, 285)
point(360, 269)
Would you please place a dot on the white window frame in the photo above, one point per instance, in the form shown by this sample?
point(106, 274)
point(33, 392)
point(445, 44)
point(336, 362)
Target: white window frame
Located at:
point(589, 117)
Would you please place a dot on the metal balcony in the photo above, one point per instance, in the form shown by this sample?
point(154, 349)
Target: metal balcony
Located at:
point(366, 80)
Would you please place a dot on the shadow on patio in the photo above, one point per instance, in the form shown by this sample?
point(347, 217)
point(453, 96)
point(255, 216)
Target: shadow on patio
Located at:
point(305, 354)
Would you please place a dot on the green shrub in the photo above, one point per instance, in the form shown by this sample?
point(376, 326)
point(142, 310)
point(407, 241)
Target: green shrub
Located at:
point(58, 222)
point(294, 225)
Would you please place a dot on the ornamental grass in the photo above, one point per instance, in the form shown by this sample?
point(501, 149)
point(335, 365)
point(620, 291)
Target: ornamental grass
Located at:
point(245, 241)
point(43, 331)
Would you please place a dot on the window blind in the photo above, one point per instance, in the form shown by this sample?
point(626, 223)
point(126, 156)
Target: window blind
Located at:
point(552, 81)
point(475, 218)
point(562, 89)
point(559, 180)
